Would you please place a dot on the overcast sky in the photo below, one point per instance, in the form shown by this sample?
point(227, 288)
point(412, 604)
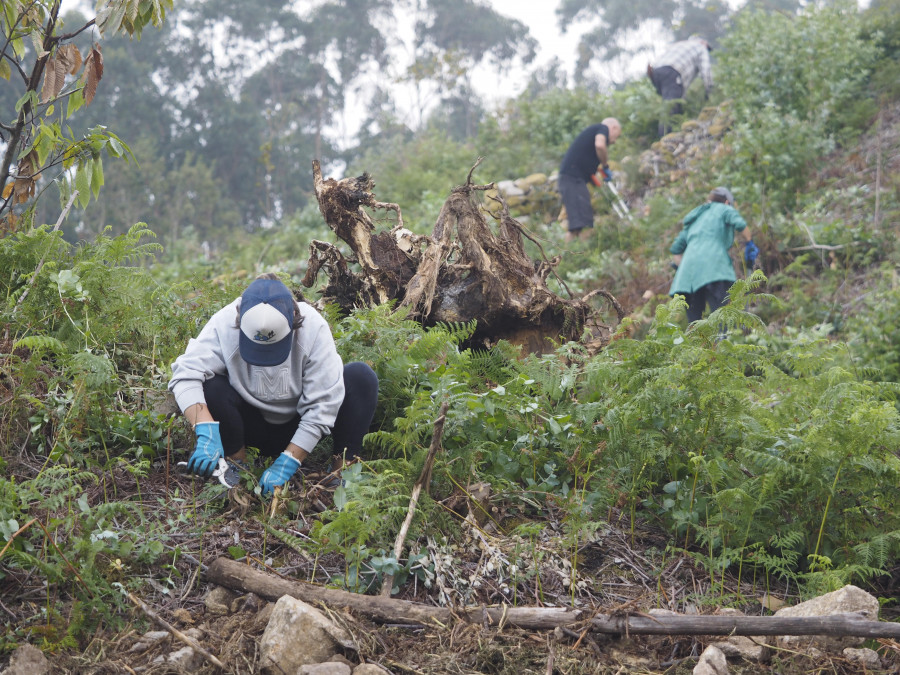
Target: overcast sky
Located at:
point(540, 17)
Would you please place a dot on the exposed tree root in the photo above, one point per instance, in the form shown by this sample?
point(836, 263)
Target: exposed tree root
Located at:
point(465, 271)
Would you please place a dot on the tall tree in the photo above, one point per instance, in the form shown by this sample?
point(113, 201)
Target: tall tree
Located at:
point(52, 78)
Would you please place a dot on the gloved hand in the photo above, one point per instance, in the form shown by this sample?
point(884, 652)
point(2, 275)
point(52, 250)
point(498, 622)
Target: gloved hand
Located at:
point(751, 251)
point(208, 451)
point(279, 473)
point(607, 174)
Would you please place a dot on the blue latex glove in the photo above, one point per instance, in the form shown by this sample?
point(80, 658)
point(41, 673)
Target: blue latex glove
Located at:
point(208, 451)
point(279, 473)
point(751, 251)
point(607, 174)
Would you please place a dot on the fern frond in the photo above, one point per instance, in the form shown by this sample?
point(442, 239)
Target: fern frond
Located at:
point(296, 543)
point(39, 344)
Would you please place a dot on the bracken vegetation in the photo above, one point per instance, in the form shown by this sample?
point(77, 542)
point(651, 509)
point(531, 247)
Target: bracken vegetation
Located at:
point(764, 461)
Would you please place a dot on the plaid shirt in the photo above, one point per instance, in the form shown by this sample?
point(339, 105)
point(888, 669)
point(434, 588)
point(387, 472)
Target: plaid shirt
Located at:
point(689, 58)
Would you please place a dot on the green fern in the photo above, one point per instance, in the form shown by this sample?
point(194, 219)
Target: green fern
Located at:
point(39, 344)
point(296, 543)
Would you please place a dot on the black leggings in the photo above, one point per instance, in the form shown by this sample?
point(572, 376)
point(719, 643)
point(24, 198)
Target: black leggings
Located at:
point(242, 425)
point(714, 294)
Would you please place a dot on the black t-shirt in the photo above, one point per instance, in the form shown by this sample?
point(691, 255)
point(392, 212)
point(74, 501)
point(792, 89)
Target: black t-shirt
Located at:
point(581, 157)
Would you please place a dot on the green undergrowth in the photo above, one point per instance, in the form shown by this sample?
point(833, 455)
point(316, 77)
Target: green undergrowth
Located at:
point(761, 441)
point(767, 458)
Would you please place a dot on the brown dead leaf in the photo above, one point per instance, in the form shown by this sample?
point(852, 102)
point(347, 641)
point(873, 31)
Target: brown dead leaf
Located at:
point(93, 72)
point(71, 56)
point(26, 178)
point(770, 602)
point(183, 616)
point(8, 224)
point(7, 190)
point(54, 78)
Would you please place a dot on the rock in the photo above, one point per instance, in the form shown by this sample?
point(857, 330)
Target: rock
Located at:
point(865, 657)
point(298, 634)
point(186, 659)
point(249, 602)
point(340, 658)
point(534, 180)
point(261, 620)
point(27, 660)
point(712, 662)
point(148, 640)
point(370, 669)
point(327, 668)
point(754, 648)
point(849, 599)
point(218, 600)
point(510, 189)
point(743, 647)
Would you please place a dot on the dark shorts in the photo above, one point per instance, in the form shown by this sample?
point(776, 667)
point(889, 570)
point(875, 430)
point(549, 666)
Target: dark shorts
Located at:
point(577, 200)
point(668, 83)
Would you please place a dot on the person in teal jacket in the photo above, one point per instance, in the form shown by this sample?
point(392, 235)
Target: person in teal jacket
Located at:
point(704, 271)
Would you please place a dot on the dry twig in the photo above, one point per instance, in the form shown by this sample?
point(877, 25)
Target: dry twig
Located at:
point(422, 483)
point(186, 639)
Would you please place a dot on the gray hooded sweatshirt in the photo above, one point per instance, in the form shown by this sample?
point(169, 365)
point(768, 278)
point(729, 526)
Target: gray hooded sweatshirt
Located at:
point(309, 383)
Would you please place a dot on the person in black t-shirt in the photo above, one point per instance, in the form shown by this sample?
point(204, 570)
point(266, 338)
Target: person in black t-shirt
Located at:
point(587, 152)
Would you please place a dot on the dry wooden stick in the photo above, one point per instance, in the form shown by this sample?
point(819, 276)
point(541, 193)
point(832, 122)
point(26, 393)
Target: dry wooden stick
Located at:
point(243, 578)
point(422, 483)
point(189, 641)
point(847, 624)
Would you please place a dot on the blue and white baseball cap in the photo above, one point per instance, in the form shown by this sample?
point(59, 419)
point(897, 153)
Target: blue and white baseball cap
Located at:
point(267, 319)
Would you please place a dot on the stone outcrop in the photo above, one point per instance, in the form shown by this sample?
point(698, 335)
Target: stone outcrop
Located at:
point(532, 199)
point(849, 599)
point(298, 635)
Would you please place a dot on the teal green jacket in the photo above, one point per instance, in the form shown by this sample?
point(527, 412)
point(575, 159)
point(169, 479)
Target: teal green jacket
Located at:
point(704, 241)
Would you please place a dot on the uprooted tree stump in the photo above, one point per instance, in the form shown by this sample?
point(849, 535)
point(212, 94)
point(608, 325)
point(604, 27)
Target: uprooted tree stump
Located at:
point(462, 272)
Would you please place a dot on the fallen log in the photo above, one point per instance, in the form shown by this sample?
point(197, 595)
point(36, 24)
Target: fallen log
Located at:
point(837, 625)
point(241, 577)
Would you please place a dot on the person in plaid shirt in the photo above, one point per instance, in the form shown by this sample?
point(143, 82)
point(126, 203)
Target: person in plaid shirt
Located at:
point(674, 71)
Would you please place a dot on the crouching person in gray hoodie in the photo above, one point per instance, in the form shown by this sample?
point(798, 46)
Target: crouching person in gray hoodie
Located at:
point(264, 372)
